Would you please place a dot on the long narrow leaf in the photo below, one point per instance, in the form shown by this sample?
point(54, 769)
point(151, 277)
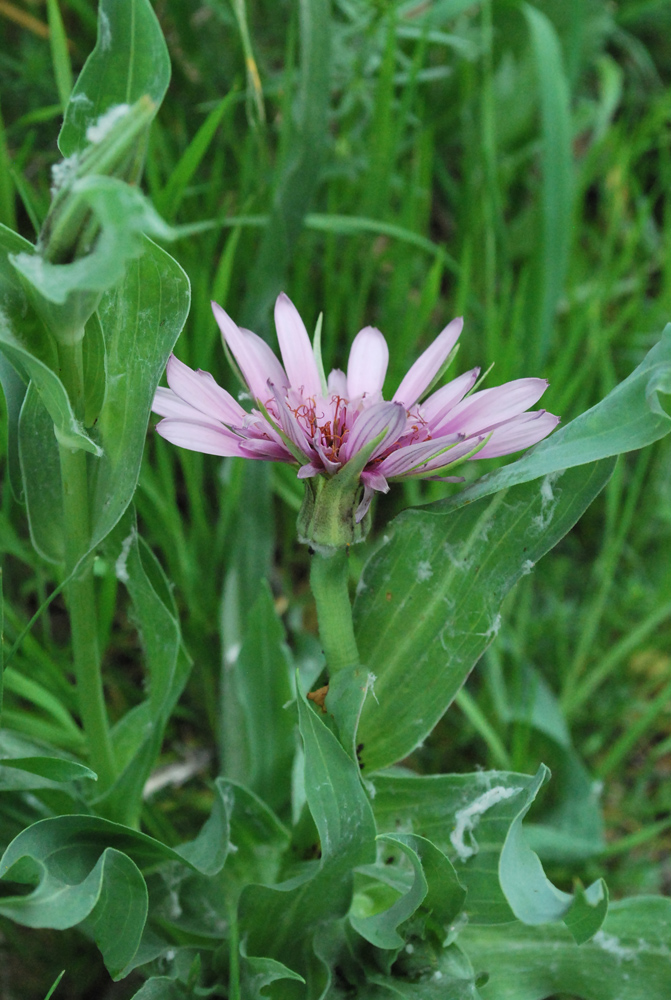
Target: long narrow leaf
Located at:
point(60, 56)
point(557, 163)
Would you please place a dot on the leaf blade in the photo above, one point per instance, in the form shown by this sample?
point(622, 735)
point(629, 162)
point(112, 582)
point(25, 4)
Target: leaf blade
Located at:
point(428, 603)
point(130, 59)
point(630, 417)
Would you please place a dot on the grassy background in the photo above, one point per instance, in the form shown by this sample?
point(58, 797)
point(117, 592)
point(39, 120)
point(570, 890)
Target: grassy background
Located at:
point(394, 164)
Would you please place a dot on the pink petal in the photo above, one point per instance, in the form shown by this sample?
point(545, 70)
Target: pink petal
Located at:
point(168, 404)
point(376, 481)
point(439, 403)
point(370, 423)
point(308, 471)
point(453, 455)
point(256, 425)
point(362, 509)
point(368, 360)
point(202, 392)
point(337, 383)
point(404, 460)
point(518, 433)
point(327, 462)
point(491, 407)
point(290, 425)
point(271, 451)
point(196, 436)
point(428, 365)
point(297, 353)
point(256, 360)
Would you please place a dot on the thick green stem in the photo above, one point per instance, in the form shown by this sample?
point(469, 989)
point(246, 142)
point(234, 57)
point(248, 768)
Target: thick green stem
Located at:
point(80, 591)
point(328, 579)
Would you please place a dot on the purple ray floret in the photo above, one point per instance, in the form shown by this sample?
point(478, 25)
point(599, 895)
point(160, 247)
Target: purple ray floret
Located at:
point(320, 424)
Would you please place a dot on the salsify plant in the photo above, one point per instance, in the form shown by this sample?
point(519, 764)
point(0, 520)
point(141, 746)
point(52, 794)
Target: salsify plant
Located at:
point(328, 867)
point(340, 428)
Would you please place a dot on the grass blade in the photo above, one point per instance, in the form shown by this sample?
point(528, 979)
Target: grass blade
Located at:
point(170, 199)
point(303, 143)
point(557, 164)
point(7, 210)
point(60, 56)
point(255, 108)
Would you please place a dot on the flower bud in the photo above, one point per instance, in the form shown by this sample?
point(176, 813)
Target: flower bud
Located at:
point(95, 213)
point(117, 146)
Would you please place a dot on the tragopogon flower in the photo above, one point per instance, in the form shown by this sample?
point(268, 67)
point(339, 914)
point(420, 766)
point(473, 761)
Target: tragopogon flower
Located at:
point(341, 428)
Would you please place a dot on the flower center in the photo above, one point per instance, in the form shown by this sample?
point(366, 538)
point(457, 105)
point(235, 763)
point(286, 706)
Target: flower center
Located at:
point(329, 433)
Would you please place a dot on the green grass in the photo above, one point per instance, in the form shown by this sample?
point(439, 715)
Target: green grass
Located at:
point(464, 160)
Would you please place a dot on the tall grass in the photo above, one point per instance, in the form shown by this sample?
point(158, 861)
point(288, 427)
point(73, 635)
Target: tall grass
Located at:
point(394, 164)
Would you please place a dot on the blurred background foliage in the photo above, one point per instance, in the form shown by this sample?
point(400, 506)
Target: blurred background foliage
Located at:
point(395, 164)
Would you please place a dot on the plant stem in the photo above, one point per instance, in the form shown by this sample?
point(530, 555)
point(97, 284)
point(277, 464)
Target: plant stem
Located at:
point(328, 580)
point(80, 591)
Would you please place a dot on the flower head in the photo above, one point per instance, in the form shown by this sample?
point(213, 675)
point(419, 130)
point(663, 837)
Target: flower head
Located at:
point(341, 428)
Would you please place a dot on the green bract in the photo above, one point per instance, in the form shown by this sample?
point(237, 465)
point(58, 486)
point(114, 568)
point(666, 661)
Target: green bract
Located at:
point(327, 518)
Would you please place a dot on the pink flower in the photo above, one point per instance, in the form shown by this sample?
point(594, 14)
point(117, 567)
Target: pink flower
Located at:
point(322, 424)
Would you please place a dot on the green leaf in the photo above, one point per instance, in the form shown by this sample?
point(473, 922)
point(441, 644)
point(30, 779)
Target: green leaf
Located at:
point(95, 375)
point(141, 319)
point(130, 59)
point(15, 745)
point(280, 919)
point(2, 643)
point(428, 603)
point(60, 56)
point(111, 898)
point(466, 816)
point(256, 973)
point(124, 216)
point(118, 918)
point(208, 852)
point(445, 897)
point(14, 388)
point(260, 747)
point(630, 417)
point(348, 690)
point(7, 207)
point(191, 901)
point(557, 165)
point(435, 888)
point(446, 976)
point(573, 828)
point(167, 667)
point(88, 869)
point(30, 349)
point(53, 768)
point(588, 911)
point(629, 958)
point(161, 988)
point(249, 567)
point(53, 395)
point(41, 471)
point(532, 897)
point(261, 840)
point(381, 929)
point(335, 795)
